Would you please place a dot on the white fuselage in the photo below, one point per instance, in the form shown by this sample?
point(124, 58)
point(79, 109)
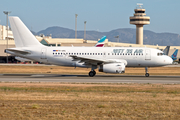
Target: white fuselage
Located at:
point(135, 57)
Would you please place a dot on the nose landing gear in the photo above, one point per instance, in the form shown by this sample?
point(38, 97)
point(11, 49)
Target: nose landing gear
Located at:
point(147, 74)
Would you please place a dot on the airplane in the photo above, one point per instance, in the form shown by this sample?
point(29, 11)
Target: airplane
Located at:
point(166, 50)
point(106, 59)
point(174, 55)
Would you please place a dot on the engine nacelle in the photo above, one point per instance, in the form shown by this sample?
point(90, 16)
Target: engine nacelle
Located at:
point(112, 68)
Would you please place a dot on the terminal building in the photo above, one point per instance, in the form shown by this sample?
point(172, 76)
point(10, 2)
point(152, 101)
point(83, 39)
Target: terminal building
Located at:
point(139, 19)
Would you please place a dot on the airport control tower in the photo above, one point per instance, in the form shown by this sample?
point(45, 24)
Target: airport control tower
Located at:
point(139, 19)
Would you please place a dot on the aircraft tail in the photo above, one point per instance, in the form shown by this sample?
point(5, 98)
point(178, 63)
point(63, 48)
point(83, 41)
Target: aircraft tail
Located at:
point(101, 42)
point(174, 55)
point(22, 35)
point(166, 50)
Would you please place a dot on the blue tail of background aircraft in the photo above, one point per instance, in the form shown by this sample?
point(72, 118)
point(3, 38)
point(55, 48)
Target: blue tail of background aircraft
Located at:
point(174, 55)
point(101, 42)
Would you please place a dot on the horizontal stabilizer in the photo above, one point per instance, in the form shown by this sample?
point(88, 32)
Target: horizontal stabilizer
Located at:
point(15, 51)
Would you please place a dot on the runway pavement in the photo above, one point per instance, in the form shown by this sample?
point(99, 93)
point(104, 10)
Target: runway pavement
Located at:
point(87, 79)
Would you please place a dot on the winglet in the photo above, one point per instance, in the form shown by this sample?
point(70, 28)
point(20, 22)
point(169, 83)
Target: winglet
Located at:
point(101, 42)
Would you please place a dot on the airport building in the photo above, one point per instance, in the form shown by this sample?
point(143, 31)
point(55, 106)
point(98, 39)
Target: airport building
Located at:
point(139, 19)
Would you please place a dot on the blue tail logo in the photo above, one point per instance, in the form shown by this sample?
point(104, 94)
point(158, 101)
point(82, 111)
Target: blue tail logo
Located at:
point(174, 55)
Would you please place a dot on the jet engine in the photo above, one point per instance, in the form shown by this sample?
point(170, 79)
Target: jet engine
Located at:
point(112, 68)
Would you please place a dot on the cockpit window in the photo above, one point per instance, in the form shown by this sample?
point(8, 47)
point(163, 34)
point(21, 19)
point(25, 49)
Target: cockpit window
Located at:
point(160, 54)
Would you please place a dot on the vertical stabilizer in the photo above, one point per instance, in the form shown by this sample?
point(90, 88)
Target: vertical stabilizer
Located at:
point(22, 35)
point(166, 50)
point(101, 42)
point(174, 55)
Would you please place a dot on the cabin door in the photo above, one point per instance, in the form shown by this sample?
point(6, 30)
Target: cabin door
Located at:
point(148, 55)
point(43, 53)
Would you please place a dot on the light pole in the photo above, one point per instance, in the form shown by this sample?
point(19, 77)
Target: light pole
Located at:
point(76, 26)
point(117, 38)
point(7, 13)
point(85, 30)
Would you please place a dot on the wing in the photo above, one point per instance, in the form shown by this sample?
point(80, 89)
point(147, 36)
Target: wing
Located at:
point(95, 61)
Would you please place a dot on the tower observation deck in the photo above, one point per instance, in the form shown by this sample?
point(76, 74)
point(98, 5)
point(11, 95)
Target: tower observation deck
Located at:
point(139, 19)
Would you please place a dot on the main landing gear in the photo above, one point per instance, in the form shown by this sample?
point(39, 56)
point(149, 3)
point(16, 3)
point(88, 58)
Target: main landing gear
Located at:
point(92, 73)
point(147, 74)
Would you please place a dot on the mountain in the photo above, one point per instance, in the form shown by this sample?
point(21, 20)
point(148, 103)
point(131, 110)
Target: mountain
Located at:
point(126, 35)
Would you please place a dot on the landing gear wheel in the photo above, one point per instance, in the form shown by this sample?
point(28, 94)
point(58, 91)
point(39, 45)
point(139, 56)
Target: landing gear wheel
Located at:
point(147, 74)
point(92, 73)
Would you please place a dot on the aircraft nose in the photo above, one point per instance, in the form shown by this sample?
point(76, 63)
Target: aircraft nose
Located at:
point(169, 60)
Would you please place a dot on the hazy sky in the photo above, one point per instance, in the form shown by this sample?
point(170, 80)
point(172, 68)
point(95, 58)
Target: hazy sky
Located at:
point(101, 15)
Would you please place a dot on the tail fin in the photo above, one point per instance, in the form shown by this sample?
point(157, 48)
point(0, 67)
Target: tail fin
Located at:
point(101, 42)
point(22, 36)
point(174, 55)
point(166, 50)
